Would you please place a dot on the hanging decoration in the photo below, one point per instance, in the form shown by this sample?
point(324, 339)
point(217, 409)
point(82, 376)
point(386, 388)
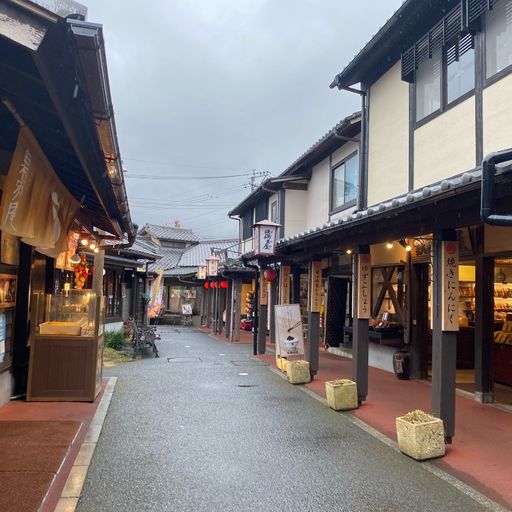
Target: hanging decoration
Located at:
point(81, 272)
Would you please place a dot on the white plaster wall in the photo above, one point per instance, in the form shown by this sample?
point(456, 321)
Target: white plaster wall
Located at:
point(382, 256)
point(446, 145)
point(295, 212)
point(497, 115)
point(317, 206)
point(388, 144)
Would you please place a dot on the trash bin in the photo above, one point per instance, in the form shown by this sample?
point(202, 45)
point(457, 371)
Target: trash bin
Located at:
point(401, 364)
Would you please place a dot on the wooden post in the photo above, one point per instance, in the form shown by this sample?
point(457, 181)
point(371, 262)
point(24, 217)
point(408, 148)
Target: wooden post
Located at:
point(229, 306)
point(273, 302)
point(97, 277)
point(296, 285)
point(262, 314)
point(444, 344)
point(360, 340)
point(236, 309)
point(484, 322)
point(314, 302)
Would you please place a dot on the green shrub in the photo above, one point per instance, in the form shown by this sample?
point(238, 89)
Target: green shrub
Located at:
point(114, 340)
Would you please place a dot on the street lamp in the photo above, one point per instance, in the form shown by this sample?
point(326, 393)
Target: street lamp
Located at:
point(202, 270)
point(213, 265)
point(265, 236)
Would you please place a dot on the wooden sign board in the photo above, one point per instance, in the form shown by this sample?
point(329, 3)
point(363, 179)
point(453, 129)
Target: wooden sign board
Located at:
point(450, 286)
point(315, 286)
point(284, 285)
point(364, 276)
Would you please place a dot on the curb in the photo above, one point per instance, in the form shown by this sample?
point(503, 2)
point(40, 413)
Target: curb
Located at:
point(73, 488)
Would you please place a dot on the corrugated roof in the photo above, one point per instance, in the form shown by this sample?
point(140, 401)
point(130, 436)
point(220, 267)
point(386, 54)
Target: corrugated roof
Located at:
point(170, 233)
point(197, 254)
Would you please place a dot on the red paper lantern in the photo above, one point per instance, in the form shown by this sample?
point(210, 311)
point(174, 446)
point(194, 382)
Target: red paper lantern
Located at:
point(224, 284)
point(270, 274)
point(213, 284)
point(206, 285)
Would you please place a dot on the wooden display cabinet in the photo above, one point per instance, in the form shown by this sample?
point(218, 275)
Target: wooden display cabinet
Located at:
point(64, 367)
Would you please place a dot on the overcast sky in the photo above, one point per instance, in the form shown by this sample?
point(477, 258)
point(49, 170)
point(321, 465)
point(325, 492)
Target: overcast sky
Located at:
point(209, 88)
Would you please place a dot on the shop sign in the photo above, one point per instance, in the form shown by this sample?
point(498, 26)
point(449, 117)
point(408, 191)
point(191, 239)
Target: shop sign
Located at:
point(290, 339)
point(284, 285)
point(9, 249)
point(315, 293)
point(450, 286)
point(35, 204)
point(263, 290)
point(363, 286)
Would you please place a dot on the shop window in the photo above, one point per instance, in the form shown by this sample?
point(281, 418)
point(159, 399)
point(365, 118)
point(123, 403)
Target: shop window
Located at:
point(247, 225)
point(498, 38)
point(112, 290)
point(344, 179)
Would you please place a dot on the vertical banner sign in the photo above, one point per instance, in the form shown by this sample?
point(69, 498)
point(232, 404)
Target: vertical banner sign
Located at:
point(315, 293)
point(450, 286)
point(263, 290)
point(290, 339)
point(201, 272)
point(284, 285)
point(363, 286)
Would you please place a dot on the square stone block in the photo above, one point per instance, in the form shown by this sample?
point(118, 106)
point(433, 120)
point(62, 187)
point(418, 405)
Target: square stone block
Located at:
point(298, 372)
point(341, 394)
point(279, 364)
point(420, 440)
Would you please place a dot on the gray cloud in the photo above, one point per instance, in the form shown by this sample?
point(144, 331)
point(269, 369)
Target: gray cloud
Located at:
point(215, 87)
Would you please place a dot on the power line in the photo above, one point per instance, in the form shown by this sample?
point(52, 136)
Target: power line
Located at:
point(159, 177)
point(196, 166)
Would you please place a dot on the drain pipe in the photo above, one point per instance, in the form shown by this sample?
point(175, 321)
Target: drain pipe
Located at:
point(488, 180)
point(255, 306)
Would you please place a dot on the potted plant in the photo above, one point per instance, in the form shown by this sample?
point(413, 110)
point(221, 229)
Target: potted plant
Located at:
point(420, 435)
point(341, 394)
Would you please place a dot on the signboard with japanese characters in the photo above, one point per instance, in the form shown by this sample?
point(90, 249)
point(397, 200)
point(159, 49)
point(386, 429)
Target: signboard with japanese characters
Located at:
point(284, 285)
point(201, 272)
point(264, 240)
point(450, 286)
point(290, 340)
point(315, 296)
point(364, 303)
point(263, 298)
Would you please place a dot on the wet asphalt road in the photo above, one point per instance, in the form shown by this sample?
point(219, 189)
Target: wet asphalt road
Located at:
point(190, 432)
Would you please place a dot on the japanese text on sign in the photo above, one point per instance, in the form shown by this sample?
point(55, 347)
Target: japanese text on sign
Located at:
point(450, 286)
point(284, 285)
point(363, 286)
point(316, 286)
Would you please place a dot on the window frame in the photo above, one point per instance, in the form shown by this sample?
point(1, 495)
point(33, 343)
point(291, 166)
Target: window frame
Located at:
point(500, 74)
point(274, 218)
point(349, 204)
point(445, 106)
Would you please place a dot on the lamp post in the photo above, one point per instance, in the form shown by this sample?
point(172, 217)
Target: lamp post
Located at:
point(264, 244)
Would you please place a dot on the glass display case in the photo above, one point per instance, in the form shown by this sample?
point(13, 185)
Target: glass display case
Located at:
point(71, 313)
point(69, 330)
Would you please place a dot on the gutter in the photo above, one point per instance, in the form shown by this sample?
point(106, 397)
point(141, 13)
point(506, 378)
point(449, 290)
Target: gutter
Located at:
point(489, 165)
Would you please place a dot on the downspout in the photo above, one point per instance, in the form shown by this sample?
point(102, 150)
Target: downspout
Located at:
point(487, 209)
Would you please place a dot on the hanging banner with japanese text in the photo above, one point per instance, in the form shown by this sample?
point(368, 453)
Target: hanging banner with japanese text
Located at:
point(315, 294)
point(36, 206)
point(263, 298)
point(284, 285)
point(450, 286)
point(364, 274)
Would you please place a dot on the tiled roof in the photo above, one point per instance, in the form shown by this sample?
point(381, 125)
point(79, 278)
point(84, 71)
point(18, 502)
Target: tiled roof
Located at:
point(144, 248)
point(170, 233)
point(417, 196)
point(197, 254)
point(169, 258)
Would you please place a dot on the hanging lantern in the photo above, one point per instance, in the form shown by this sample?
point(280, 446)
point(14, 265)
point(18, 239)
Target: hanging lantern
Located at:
point(201, 271)
point(265, 236)
point(270, 274)
point(224, 284)
point(213, 266)
point(206, 285)
point(213, 284)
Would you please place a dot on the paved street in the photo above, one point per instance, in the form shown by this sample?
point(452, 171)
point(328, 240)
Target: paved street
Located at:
point(207, 428)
